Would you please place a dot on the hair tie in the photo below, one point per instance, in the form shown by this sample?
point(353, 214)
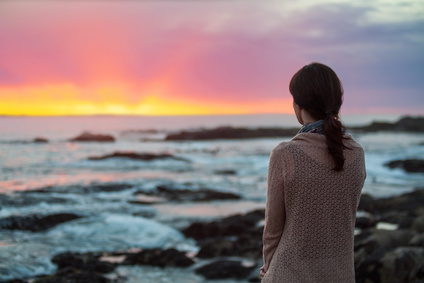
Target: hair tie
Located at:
point(329, 112)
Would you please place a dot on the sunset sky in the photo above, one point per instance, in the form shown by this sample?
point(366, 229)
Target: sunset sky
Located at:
point(206, 57)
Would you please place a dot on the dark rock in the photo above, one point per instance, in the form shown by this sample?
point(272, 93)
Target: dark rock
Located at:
point(383, 239)
point(194, 195)
point(144, 214)
point(225, 172)
point(138, 156)
point(232, 133)
point(409, 165)
point(365, 222)
point(412, 203)
point(90, 137)
point(366, 270)
point(77, 189)
point(40, 140)
point(158, 257)
point(87, 262)
point(236, 235)
point(405, 124)
point(146, 131)
point(229, 226)
point(71, 275)
point(405, 264)
point(180, 193)
point(256, 279)
point(418, 224)
point(222, 269)
point(417, 241)
point(108, 188)
point(78, 268)
point(366, 203)
point(403, 218)
point(36, 223)
point(249, 246)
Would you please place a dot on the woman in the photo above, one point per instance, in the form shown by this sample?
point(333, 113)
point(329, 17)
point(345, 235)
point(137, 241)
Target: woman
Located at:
point(314, 185)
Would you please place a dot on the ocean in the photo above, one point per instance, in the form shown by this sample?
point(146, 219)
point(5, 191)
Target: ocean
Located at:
point(111, 221)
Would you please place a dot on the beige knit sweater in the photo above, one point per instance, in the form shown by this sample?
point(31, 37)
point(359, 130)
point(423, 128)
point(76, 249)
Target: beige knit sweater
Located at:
point(310, 211)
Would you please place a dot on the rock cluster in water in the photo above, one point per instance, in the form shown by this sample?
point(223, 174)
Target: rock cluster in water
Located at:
point(138, 156)
point(231, 133)
point(408, 165)
point(176, 194)
point(90, 137)
point(391, 255)
point(36, 223)
point(405, 124)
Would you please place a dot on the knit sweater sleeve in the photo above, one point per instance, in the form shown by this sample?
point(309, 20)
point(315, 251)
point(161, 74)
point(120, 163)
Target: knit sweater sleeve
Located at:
point(275, 208)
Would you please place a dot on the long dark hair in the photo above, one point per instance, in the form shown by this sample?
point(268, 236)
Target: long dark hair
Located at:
point(317, 89)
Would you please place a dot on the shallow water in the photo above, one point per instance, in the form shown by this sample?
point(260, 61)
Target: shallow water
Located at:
point(110, 222)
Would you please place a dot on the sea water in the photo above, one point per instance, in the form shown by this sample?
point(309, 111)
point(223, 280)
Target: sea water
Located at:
point(110, 222)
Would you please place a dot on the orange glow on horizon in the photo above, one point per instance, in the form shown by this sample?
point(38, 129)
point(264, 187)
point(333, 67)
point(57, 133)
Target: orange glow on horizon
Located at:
point(67, 99)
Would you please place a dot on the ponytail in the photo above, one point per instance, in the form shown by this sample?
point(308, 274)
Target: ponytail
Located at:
point(333, 131)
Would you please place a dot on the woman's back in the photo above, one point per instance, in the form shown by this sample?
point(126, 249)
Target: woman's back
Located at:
point(320, 210)
point(313, 190)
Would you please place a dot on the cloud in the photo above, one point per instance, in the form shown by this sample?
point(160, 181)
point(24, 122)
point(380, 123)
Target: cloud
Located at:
point(212, 51)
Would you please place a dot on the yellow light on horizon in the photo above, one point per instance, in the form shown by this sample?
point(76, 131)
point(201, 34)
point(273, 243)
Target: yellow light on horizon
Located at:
point(67, 99)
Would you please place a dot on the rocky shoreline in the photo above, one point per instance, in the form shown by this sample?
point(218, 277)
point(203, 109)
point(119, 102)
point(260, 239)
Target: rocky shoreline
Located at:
point(389, 245)
point(408, 124)
point(405, 124)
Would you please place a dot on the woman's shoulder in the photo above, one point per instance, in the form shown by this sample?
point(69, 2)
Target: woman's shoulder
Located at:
point(313, 140)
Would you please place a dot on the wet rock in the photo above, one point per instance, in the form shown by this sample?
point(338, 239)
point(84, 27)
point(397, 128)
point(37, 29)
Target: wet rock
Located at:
point(36, 223)
point(409, 165)
point(366, 203)
point(371, 246)
point(172, 193)
point(87, 262)
point(418, 224)
point(137, 156)
point(401, 210)
point(180, 193)
point(404, 264)
point(237, 235)
point(225, 172)
point(249, 246)
point(222, 269)
point(107, 188)
point(383, 239)
point(411, 203)
point(402, 218)
point(144, 214)
point(158, 257)
point(255, 279)
point(40, 140)
point(77, 189)
point(365, 222)
point(417, 241)
point(229, 226)
point(405, 124)
point(71, 275)
point(90, 137)
point(366, 270)
point(232, 133)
